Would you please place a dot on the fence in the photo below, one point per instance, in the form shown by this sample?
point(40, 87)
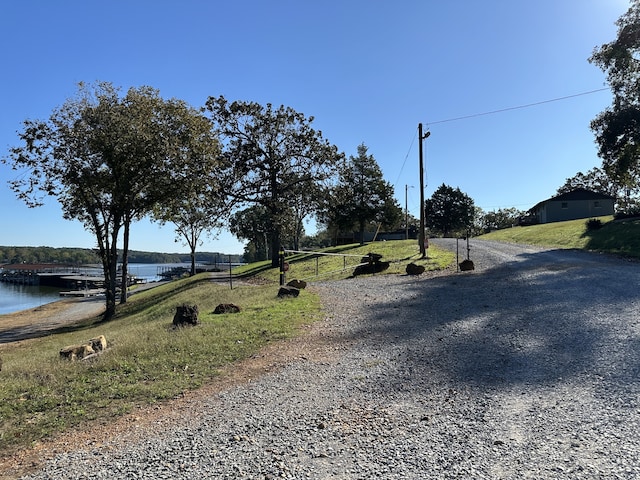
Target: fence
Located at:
point(308, 273)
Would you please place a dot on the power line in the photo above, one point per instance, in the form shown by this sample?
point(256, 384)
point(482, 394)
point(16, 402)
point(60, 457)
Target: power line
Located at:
point(405, 158)
point(518, 107)
point(492, 112)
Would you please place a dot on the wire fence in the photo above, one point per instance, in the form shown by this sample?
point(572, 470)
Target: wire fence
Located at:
point(318, 256)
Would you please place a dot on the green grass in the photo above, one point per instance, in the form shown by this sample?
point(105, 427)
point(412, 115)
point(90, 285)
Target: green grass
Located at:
point(340, 262)
point(620, 237)
point(148, 361)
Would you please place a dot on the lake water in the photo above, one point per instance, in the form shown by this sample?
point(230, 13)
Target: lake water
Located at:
point(14, 298)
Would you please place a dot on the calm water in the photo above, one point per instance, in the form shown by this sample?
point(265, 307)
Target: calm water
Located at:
point(22, 297)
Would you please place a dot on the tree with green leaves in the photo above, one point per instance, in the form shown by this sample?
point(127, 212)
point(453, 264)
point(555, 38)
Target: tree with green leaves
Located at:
point(595, 180)
point(449, 211)
point(617, 129)
point(254, 225)
point(108, 159)
point(497, 219)
point(194, 215)
point(361, 197)
point(200, 204)
point(273, 154)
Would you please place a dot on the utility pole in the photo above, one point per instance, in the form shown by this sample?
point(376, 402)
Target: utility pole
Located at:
point(406, 213)
point(421, 233)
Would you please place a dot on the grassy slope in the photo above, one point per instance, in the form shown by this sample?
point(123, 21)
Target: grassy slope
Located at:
point(617, 237)
point(308, 266)
point(150, 362)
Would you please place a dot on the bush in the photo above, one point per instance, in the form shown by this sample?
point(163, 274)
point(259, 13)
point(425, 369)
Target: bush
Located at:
point(594, 224)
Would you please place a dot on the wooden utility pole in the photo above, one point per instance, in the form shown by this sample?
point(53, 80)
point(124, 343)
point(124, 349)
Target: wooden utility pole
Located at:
point(421, 233)
point(406, 213)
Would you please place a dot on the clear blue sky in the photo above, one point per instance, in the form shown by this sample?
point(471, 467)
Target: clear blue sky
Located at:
point(368, 70)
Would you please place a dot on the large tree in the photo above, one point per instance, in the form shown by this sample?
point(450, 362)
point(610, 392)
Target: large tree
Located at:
point(497, 219)
point(274, 154)
point(107, 159)
point(449, 211)
point(595, 180)
point(361, 197)
point(617, 129)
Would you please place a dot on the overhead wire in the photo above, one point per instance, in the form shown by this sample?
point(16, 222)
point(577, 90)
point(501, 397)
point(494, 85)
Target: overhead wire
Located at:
point(405, 158)
point(566, 97)
point(492, 112)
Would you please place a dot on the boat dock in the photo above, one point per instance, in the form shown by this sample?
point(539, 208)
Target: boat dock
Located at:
point(83, 293)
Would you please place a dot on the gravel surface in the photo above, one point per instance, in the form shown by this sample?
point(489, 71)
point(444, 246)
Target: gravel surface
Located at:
point(526, 367)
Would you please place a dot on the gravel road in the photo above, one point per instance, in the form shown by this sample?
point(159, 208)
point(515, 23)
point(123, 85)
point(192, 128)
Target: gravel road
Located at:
point(527, 367)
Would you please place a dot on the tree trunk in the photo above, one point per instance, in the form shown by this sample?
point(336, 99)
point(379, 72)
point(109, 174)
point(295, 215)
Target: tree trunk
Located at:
point(275, 248)
point(124, 285)
point(110, 265)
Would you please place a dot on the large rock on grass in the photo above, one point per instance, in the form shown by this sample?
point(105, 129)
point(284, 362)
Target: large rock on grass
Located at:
point(76, 352)
point(186, 315)
point(85, 351)
point(372, 263)
point(226, 308)
point(299, 284)
point(413, 269)
point(287, 291)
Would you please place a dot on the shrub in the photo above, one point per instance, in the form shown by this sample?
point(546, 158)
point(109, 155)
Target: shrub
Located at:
point(594, 224)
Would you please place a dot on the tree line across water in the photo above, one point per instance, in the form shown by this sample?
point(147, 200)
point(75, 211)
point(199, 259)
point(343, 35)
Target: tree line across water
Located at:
point(86, 256)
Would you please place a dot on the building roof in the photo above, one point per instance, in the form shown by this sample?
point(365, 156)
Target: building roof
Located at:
point(577, 194)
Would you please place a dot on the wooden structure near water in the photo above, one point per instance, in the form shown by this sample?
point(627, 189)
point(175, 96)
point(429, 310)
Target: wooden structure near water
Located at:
point(53, 275)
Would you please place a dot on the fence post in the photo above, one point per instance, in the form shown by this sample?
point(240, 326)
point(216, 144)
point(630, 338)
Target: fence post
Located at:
point(281, 261)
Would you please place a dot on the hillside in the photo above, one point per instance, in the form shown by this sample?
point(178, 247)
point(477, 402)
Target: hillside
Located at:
point(620, 237)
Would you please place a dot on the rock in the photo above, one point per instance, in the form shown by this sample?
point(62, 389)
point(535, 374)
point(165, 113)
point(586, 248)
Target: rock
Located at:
point(369, 268)
point(299, 284)
point(466, 265)
point(413, 269)
point(98, 344)
point(76, 352)
point(226, 308)
point(87, 350)
point(287, 291)
point(186, 315)
point(371, 258)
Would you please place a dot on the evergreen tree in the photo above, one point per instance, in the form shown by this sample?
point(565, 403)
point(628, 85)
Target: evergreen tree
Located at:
point(361, 197)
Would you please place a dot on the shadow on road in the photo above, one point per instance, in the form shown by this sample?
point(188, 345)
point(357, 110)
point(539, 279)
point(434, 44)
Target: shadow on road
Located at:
point(544, 317)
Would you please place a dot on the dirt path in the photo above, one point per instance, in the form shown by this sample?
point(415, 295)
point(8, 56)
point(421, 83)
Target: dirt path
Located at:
point(38, 321)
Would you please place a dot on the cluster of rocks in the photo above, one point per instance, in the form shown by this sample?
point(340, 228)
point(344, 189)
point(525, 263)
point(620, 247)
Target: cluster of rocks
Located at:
point(370, 264)
point(86, 350)
point(292, 288)
point(187, 315)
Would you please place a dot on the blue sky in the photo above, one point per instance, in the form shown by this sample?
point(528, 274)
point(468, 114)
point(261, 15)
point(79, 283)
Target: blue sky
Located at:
point(368, 71)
